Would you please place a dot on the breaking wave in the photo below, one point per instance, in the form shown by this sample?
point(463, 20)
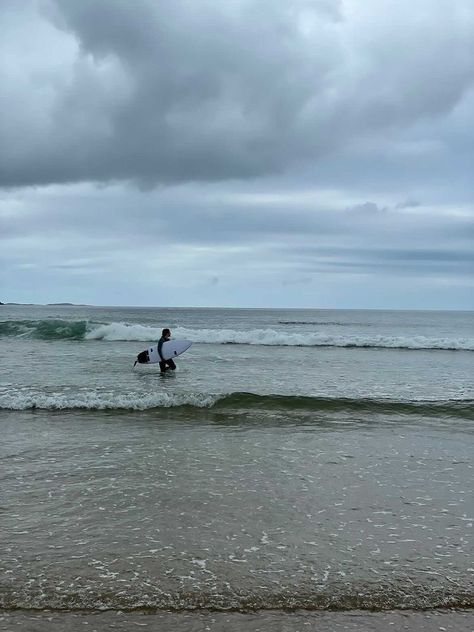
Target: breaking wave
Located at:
point(114, 332)
point(95, 400)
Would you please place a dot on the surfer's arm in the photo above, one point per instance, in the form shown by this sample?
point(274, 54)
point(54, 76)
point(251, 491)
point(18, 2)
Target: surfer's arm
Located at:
point(160, 344)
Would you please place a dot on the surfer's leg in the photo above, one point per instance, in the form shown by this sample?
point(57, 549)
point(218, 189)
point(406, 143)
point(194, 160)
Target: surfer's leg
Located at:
point(171, 365)
point(163, 366)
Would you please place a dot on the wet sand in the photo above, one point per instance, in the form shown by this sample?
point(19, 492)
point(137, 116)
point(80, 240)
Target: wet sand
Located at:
point(274, 621)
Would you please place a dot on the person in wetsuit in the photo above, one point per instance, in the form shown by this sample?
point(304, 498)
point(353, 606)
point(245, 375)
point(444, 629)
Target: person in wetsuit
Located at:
point(165, 364)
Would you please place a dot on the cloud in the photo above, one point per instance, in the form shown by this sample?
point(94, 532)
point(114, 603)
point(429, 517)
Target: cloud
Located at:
point(175, 92)
point(184, 236)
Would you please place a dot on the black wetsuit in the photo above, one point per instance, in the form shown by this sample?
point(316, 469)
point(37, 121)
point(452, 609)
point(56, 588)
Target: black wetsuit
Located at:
point(165, 364)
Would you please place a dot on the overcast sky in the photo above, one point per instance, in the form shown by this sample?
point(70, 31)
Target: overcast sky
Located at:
point(260, 153)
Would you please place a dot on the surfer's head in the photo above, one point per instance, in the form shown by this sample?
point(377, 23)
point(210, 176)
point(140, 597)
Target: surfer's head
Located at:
point(166, 333)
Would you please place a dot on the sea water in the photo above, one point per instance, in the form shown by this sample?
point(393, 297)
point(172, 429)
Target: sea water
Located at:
point(299, 467)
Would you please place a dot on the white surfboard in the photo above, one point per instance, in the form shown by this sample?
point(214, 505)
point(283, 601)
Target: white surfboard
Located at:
point(170, 349)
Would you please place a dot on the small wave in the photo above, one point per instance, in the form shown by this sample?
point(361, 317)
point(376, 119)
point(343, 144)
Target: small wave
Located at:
point(445, 408)
point(313, 322)
point(241, 401)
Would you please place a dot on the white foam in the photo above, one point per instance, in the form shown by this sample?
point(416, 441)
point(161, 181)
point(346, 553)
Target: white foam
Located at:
point(92, 400)
point(271, 337)
point(123, 331)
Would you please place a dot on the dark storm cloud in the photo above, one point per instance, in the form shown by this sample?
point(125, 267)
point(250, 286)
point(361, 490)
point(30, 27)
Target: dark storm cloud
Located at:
point(181, 91)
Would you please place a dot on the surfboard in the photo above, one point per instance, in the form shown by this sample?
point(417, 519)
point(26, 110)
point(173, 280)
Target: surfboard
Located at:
point(170, 349)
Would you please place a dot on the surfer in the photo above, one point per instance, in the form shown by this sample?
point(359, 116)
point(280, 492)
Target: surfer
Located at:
point(163, 351)
point(165, 364)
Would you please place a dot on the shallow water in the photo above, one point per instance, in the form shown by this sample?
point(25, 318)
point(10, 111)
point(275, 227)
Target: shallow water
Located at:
point(258, 478)
point(184, 511)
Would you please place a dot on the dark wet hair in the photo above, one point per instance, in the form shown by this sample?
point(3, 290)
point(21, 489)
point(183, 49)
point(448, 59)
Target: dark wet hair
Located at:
point(165, 332)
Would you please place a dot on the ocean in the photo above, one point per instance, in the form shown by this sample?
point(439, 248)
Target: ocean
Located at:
point(301, 469)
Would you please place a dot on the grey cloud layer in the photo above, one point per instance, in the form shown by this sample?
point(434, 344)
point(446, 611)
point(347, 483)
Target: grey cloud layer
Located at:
point(104, 226)
point(299, 144)
point(180, 91)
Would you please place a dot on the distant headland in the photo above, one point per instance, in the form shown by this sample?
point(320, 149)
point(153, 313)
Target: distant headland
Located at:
point(49, 304)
